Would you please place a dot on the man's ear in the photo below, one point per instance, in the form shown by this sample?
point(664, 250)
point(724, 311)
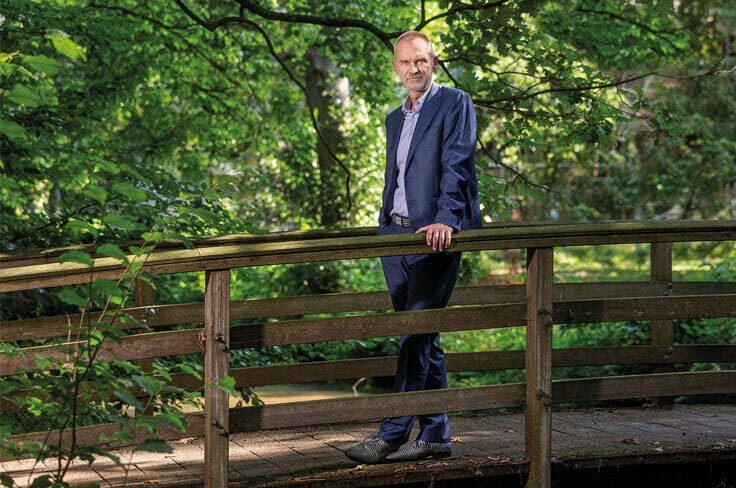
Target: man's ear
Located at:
point(435, 63)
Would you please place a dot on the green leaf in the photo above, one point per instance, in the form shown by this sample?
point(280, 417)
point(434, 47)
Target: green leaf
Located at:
point(6, 386)
point(107, 287)
point(154, 445)
point(80, 227)
point(42, 481)
point(181, 238)
point(95, 192)
point(113, 251)
point(121, 222)
point(35, 405)
point(6, 68)
point(140, 251)
point(95, 338)
point(226, 384)
point(129, 191)
point(6, 480)
point(64, 45)
point(211, 195)
point(11, 129)
point(174, 420)
point(203, 214)
point(187, 368)
point(129, 399)
point(169, 390)
point(154, 236)
point(109, 167)
point(150, 385)
point(75, 256)
point(42, 63)
point(23, 95)
point(104, 452)
point(146, 278)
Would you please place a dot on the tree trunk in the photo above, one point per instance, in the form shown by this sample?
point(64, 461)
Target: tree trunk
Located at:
point(326, 89)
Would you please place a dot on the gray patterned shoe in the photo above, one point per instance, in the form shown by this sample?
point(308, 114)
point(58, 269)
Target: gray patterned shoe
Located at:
point(371, 451)
point(422, 450)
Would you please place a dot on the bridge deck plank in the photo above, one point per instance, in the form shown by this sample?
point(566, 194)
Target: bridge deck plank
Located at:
point(299, 456)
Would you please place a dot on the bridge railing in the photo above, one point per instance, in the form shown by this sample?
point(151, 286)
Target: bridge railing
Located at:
point(537, 305)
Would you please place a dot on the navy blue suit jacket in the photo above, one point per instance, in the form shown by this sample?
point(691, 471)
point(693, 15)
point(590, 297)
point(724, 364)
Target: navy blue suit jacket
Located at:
point(441, 185)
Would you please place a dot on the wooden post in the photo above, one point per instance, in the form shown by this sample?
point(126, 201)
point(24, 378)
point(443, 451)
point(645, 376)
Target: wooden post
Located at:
point(144, 297)
point(538, 430)
point(143, 293)
point(662, 330)
point(216, 366)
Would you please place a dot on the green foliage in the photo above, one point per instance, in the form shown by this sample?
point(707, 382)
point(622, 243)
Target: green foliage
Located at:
point(117, 117)
point(75, 388)
point(616, 334)
point(710, 331)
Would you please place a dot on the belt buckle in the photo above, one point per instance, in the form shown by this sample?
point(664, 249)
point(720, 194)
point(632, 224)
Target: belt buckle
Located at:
point(402, 221)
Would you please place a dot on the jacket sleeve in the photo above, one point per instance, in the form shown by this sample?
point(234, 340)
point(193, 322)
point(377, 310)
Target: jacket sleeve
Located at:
point(456, 160)
point(382, 217)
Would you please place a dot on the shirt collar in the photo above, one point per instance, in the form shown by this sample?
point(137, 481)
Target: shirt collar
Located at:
point(427, 95)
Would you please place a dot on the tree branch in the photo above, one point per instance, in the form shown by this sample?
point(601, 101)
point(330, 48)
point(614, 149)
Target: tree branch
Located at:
point(459, 7)
point(641, 25)
point(219, 68)
point(517, 174)
point(382, 35)
point(315, 124)
point(243, 21)
point(569, 89)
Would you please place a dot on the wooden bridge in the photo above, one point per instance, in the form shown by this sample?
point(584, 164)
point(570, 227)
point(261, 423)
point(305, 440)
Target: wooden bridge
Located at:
point(536, 305)
point(686, 445)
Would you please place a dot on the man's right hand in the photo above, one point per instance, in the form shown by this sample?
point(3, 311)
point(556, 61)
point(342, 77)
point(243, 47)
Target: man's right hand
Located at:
point(439, 236)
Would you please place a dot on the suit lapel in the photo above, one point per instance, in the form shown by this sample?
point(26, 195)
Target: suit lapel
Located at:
point(393, 129)
point(429, 110)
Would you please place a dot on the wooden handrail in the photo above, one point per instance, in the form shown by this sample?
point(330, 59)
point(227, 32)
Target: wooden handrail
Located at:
point(45, 256)
point(334, 248)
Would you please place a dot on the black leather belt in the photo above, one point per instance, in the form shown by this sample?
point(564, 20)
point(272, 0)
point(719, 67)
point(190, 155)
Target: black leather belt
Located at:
point(402, 221)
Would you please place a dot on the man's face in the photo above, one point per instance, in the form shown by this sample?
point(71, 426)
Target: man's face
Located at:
point(414, 64)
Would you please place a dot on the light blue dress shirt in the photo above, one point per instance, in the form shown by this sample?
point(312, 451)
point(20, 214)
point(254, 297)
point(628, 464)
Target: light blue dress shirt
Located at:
point(402, 151)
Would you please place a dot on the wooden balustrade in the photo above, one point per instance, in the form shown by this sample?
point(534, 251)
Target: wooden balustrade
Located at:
point(537, 305)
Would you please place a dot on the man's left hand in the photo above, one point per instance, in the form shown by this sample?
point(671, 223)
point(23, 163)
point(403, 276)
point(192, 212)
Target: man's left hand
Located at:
point(439, 236)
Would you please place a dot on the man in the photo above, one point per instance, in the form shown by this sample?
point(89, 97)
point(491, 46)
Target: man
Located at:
point(430, 187)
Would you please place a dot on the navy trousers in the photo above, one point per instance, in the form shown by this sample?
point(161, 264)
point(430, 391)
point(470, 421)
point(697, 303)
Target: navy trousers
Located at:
point(418, 282)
